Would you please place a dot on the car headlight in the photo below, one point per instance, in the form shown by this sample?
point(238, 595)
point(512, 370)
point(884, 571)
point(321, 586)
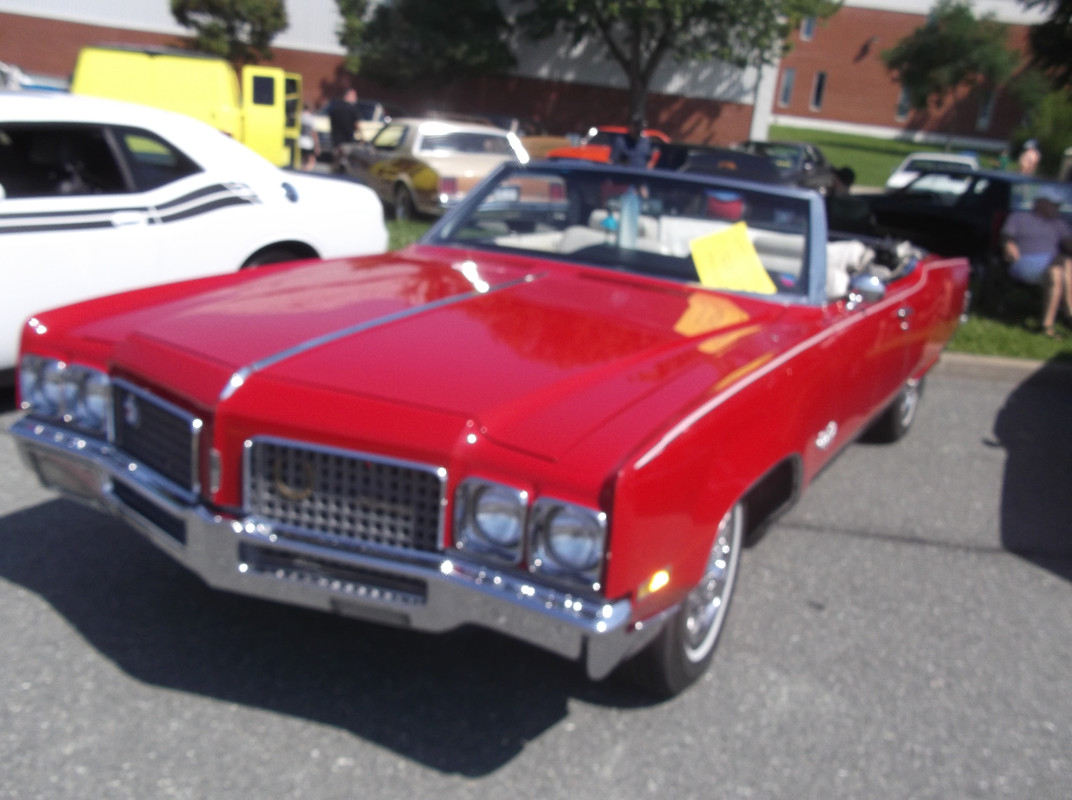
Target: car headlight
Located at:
point(569, 540)
point(76, 394)
point(490, 518)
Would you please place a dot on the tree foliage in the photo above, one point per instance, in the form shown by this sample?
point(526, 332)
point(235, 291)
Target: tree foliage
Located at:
point(407, 42)
point(352, 30)
point(1051, 41)
point(640, 34)
point(953, 49)
point(239, 30)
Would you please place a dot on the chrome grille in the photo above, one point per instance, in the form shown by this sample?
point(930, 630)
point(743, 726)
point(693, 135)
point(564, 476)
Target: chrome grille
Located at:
point(355, 497)
point(158, 434)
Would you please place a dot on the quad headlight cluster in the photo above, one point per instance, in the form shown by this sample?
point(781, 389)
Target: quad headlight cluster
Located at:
point(548, 536)
point(74, 394)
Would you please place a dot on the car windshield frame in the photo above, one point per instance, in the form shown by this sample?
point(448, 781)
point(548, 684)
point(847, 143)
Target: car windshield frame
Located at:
point(644, 222)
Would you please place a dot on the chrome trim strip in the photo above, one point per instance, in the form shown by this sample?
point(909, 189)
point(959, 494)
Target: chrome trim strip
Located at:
point(244, 373)
point(458, 591)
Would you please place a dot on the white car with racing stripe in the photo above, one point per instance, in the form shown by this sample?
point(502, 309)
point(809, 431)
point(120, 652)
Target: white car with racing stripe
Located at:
point(99, 196)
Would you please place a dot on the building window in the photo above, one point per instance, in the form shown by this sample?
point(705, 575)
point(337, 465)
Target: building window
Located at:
point(903, 105)
point(789, 77)
point(807, 29)
point(818, 89)
point(986, 112)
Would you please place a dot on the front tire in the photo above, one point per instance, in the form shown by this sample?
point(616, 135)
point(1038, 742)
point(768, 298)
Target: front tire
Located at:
point(684, 648)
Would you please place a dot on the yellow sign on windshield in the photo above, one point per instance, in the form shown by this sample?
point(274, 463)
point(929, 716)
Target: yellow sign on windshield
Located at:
point(728, 260)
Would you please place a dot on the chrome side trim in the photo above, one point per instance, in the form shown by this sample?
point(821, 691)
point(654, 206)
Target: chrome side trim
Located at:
point(244, 373)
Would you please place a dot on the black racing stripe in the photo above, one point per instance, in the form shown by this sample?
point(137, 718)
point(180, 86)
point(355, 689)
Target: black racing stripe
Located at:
point(102, 218)
point(84, 213)
point(189, 198)
point(70, 226)
point(204, 208)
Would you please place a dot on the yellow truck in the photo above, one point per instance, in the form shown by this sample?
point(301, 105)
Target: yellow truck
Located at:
point(264, 113)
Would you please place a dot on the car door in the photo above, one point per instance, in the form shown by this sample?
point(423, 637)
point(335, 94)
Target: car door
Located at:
point(206, 221)
point(72, 224)
point(884, 343)
point(379, 162)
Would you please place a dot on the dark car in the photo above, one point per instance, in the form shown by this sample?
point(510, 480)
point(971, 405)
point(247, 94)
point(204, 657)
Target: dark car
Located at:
point(721, 161)
point(800, 163)
point(950, 213)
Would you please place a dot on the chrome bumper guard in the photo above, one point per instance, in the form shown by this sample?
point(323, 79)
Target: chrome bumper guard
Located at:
point(422, 591)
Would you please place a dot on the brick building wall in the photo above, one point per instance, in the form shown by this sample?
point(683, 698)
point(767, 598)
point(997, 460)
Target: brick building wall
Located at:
point(859, 90)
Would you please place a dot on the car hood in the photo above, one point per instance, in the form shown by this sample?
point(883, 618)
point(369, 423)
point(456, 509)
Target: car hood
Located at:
point(536, 355)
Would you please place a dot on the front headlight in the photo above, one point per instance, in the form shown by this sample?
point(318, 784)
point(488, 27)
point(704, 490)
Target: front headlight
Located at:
point(490, 518)
point(76, 394)
point(569, 540)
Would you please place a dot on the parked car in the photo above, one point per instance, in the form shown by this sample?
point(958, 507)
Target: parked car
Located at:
point(951, 213)
point(917, 163)
point(801, 163)
point(97, 196)
point(559, 416)
point(425, 166)
point(718, 161)
point(599, 143)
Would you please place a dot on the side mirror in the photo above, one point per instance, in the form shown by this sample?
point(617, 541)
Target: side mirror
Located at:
point(865, 288)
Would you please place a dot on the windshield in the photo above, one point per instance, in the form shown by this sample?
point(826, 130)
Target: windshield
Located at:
point(929, 164)
point(467, 143)
point(722, 234)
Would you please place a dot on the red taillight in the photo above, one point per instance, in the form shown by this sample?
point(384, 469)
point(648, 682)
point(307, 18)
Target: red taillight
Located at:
point(448, 186)
point(558, 191)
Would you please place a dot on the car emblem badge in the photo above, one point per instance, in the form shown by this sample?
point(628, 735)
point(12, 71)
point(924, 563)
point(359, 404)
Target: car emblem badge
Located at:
point(826, 436)
point(131, 411)
point(291, 492)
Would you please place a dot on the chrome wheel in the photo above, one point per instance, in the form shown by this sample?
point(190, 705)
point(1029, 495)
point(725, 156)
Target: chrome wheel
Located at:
point(681, 651)
point(907, 403)
point(706, 605)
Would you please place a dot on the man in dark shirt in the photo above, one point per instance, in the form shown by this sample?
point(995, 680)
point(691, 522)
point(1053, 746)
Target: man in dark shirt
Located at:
point(344, 118)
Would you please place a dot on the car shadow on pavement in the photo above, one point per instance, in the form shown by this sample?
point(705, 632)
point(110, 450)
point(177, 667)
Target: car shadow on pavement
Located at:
point(1035, 429)
point(463, 703)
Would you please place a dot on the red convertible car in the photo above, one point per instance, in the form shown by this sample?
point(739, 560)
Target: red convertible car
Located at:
point(559, 416)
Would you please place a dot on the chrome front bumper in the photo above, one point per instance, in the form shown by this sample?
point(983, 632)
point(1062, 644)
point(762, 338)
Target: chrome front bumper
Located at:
point(426, 592)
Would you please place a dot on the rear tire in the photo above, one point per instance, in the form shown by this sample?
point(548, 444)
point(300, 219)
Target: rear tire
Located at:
point(405, 209)
point(898, 416)
point(684, 648)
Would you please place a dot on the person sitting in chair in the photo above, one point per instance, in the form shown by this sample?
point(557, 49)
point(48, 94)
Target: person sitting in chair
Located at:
point(1038, 246)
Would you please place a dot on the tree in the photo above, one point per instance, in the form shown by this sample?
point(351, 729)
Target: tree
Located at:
point(951, 51)
point(239, 30)
point(640, 34)
point(1051, 41)
point(431, 43)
